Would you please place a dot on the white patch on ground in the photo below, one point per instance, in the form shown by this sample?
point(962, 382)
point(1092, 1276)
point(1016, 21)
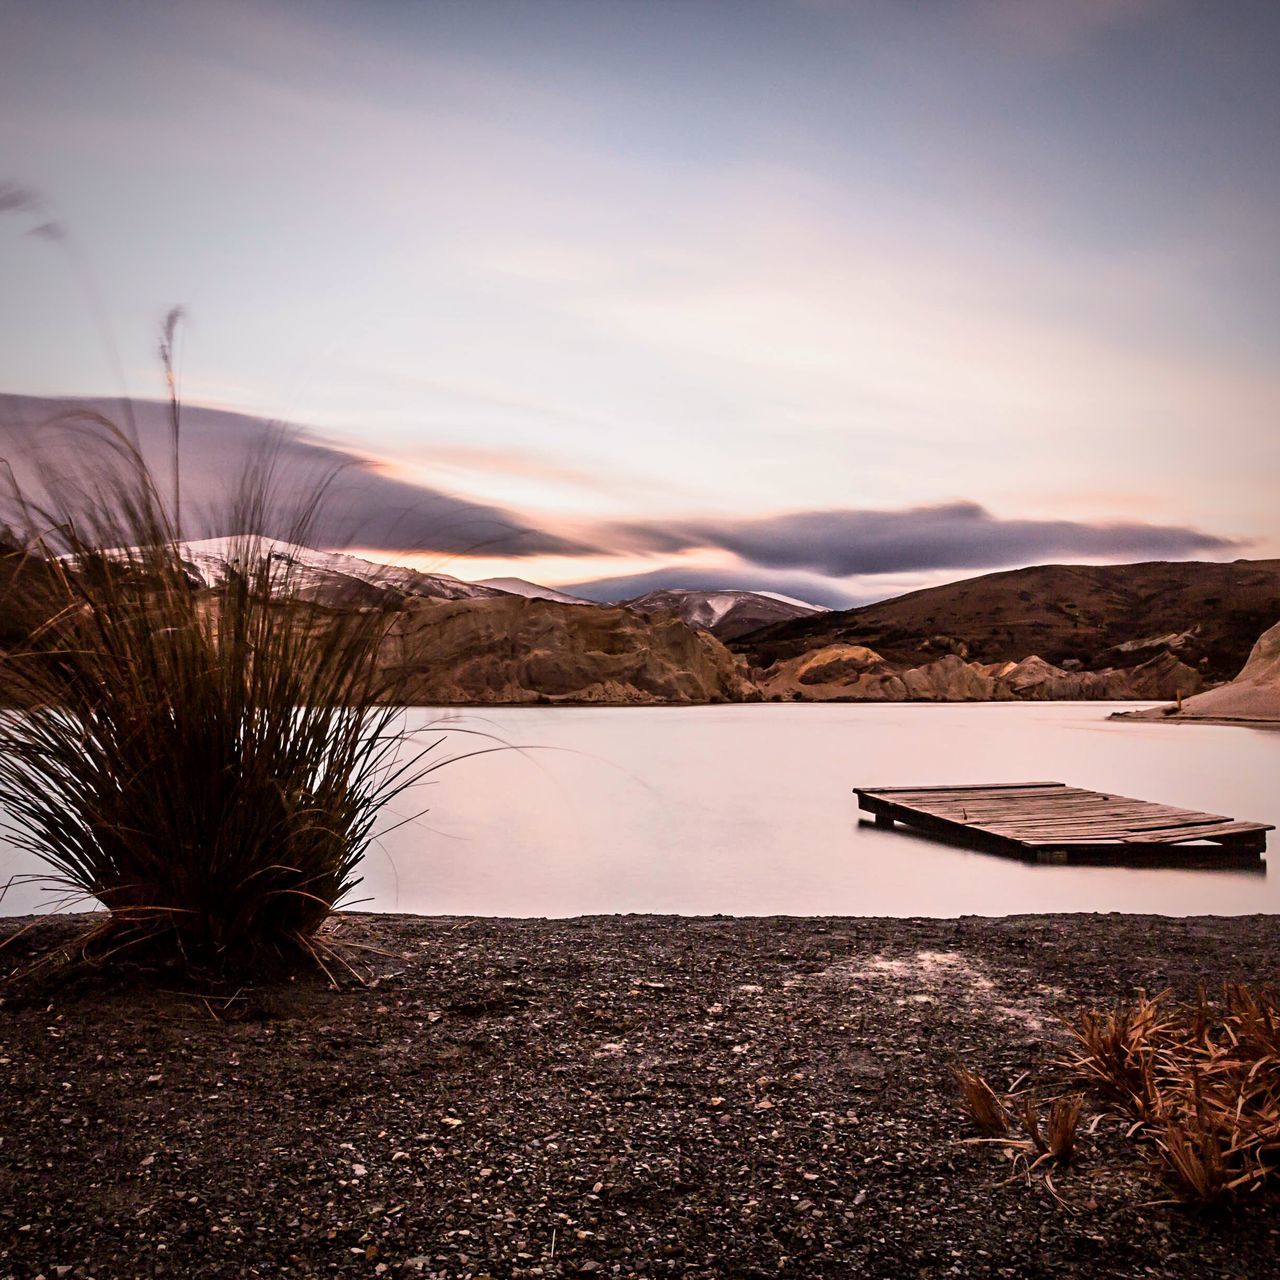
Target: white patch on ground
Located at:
point(940, 977)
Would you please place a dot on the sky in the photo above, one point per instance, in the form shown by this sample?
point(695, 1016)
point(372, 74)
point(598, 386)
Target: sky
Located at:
point(826, 297)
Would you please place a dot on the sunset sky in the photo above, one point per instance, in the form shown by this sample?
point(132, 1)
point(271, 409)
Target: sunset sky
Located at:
point(833, 298)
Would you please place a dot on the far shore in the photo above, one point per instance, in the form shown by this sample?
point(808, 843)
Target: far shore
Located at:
point(632, 1096)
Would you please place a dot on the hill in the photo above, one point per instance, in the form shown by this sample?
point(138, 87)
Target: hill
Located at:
point(726, 614)
point(501, 641)
point(1078, 617)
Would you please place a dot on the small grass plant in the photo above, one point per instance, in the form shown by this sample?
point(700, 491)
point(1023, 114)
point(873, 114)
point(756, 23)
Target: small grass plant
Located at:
point(999, 1118)
point(1200, 1082)
point(980, 1103)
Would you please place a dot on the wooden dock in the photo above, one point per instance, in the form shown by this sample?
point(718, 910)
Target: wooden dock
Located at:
point(1052, 822)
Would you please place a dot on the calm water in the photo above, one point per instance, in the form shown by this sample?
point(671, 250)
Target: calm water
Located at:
point(747, 811)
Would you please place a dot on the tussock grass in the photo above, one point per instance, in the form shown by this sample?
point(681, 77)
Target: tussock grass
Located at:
point(1119, 1047)
point(207, 765)
point(1201, 1082)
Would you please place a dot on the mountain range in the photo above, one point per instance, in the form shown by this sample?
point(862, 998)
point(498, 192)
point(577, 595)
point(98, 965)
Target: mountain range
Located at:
point(335, 577)
point(727, 614)
point(1151, 631)
point(1159, 630)
point(328, 577)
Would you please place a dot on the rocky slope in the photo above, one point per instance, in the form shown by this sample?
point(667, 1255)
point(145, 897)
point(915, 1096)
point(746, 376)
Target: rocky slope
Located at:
point(843, 672)
point(510, 649)
point(1253, 697)
point(1078, 618)
point(727, 614)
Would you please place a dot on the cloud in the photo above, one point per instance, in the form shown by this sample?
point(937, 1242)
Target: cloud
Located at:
point(364, 505)
point(808, 554)
point(955, 535)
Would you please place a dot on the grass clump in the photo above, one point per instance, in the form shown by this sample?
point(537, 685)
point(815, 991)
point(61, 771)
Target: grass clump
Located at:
point(997, 1118)
point(1200, 1081)
point(208, 764)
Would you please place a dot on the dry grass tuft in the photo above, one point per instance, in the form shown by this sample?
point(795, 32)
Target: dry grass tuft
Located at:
point(1061, 1128)
point(1200, 1081)
point(980, 1103)
point(996, 1117)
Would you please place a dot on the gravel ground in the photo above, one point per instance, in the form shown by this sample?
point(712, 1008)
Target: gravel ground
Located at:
point(621, 1096)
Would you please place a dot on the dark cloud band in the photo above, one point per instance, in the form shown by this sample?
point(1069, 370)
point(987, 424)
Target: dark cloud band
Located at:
point(956, 535)
point(363, 506)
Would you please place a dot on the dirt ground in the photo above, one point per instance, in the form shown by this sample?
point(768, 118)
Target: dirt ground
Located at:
point(620, 1096)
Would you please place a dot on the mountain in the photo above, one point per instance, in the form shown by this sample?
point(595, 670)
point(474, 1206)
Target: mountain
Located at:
point(330, 577)
point(511, 649)
point(726, 614)
point(502, 641)
point(338, 578)
point(1075, 617)
point(531, 590)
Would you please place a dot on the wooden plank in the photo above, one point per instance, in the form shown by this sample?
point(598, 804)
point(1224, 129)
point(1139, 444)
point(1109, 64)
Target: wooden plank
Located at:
point(1167, 835)
point(1063, 801)
point(1030, 827)
point(1030, 799)
point(1129, 818)
point(1135, 822)
point(973, 786)
point(1094, 813)
point(1201, 833)
point(1085, 814)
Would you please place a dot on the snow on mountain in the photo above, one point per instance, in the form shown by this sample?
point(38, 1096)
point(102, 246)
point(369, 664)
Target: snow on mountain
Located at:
point(726, 614)
point(800, 604)
point(312, 572)
point(336, 577)
point(531, 590)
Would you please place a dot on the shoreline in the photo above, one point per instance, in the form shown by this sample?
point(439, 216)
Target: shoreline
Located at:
point(1156, 717)
point(587, 705)
point(637, 1096)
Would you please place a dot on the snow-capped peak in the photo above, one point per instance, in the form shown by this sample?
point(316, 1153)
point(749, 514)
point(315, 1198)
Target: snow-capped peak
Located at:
point(727, 613)
point(531, 590)
point(308, 569)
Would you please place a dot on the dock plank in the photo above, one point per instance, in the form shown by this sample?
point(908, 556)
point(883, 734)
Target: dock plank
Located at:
point(1035, 819)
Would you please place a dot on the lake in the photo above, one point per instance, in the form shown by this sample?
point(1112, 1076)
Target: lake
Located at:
point(747, 810)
